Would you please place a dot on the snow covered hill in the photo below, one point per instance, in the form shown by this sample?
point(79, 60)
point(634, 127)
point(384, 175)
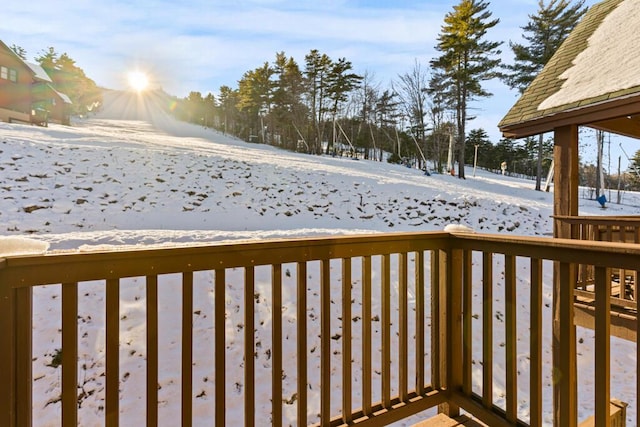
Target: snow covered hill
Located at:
point(115, 181)
point(109, 181)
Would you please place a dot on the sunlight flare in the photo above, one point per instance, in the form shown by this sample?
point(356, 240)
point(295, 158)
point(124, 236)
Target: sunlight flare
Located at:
point(138, 80)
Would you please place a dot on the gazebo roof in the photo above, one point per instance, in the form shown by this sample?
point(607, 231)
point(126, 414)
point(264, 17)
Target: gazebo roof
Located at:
point(593, 79)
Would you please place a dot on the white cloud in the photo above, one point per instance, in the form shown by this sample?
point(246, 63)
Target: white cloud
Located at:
point(199, 45)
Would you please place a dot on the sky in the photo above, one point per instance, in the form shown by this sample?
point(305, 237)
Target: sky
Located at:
point(200, 45)
point(106, 184)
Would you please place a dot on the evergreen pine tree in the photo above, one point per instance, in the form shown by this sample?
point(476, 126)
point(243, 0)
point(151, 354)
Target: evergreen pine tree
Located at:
point(228, 107)
point(317, 68)
point(255, 92)
point(340, 82)
point(467, 60)
point(288, 109)
point(19, 51)
point(544, 33)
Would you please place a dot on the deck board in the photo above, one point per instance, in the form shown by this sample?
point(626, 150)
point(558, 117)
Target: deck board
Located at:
point(441, 420)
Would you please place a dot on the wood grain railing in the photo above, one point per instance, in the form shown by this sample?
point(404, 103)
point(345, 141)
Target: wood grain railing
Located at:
point(622, 229)
point(407, 307)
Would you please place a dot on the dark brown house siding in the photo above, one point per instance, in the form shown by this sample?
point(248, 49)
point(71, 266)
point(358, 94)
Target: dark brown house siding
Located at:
point(15, 82)
point(27, 93)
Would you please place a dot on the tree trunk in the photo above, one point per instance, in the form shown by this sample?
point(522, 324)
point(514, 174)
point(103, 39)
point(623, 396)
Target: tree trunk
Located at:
point(599, 177)
point(461, 158)
point(462, 121)
point(539, 171)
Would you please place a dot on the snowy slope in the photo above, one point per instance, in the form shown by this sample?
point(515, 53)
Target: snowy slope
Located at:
point(159, 182)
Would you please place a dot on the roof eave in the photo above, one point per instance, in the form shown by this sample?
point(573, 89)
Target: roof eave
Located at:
point(16, 56)
point(581, 116)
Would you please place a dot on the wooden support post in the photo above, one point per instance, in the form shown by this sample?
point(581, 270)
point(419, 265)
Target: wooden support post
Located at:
point(454, 346)
point(603, 346)
point(565, 203)
point(565, 389)
point(565, 188)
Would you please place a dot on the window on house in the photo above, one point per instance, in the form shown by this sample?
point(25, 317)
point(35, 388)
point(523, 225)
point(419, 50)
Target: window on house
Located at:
point(13, 75)
point(4, 73)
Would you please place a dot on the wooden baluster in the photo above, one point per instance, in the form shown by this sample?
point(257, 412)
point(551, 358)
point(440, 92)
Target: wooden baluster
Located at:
point(302, 342)
point(276, 345)
point(386, 330)
point(403, 327)
point(438, 321)
point(454, 328)
point(249, 348)
point(112, 362)
point(420, 322)
point(220, 351)
point(187, 349)
point(511, 332)
point(325, 342)
point(535, 345)
point(152, 350)
point(487, 330)
point(366, 335)
point(346, 341)
point(466, 323)
point(70, 354)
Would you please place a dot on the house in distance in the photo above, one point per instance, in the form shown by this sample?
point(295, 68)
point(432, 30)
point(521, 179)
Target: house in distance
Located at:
point(27, 93)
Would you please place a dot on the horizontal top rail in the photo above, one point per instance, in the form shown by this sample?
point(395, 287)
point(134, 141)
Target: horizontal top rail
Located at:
point(34, 270)
point(623, 255)
point(444, 281)
point(626, 220)
point(72, 267)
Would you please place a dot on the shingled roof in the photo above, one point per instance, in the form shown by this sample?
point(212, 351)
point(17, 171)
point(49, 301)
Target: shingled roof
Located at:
point(593, 79)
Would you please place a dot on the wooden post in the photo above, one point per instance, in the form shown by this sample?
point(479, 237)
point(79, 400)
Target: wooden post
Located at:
point(603, 346)
point(565, 202)
point(8, 401)
point(454, 358)
point(565, 189)
point(437, 320)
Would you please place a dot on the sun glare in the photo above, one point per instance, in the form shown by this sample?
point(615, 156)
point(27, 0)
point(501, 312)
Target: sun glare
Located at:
point(138, 80)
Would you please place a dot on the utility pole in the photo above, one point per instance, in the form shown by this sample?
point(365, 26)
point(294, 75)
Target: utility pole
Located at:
point(475, 159)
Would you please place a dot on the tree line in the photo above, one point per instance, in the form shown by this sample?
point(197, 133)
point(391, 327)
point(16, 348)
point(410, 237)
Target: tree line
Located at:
point(420, 119)
point(323, 106)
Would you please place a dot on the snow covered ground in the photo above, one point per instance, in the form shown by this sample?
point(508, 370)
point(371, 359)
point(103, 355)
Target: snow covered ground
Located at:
point(107, 182)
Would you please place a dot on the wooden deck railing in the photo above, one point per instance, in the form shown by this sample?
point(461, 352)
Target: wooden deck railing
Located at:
point(406, 309)
point(624, 229)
